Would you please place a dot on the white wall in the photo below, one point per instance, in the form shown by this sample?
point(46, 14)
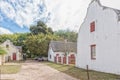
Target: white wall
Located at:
point(12, 49)
point(50, 52)
point(106, 37)
point(53, 54)
point(61, 54)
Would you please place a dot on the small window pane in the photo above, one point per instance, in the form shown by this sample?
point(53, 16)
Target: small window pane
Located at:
point(92, 26)
point(93, 51)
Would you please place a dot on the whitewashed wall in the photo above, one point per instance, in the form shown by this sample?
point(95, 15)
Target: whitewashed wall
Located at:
point(61, 54)
point(50, 52)
point(12, 49)
point(53, 54)
point(106, 37)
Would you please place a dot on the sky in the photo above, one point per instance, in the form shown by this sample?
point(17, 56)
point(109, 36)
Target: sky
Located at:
point(17, 15)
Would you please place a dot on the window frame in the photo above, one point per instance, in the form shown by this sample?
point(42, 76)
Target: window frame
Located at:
point(93, 53)
point(92, 26)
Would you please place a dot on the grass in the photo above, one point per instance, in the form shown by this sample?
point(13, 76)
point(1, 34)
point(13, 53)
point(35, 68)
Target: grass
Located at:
point(21, 61)
point(81, 73)
point(10, 69)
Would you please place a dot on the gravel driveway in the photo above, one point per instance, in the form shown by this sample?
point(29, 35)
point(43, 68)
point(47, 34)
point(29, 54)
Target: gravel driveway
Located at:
point(32, 70)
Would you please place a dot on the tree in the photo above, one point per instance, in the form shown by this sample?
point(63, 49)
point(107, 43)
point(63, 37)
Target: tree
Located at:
point(67, 34)
point(38, 45)
point(2, 53)
point(21, 41)
point(41, 27)
point(50, 30)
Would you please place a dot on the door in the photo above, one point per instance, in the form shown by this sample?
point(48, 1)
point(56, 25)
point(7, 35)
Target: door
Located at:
point(64, 60)
point(72, 59)
point(59, 59)
point(14, 56)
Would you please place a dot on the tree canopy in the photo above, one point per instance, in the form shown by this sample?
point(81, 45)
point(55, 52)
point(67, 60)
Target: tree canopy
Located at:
point(41, 27)
point(67, 34)
point(38, 44)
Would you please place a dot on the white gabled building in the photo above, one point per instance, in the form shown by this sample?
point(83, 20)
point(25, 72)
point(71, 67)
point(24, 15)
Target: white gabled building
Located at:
point(99, 39)
point(13, 52)
point(62, 52)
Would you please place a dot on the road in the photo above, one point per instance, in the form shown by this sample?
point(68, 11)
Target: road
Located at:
point(32, 70)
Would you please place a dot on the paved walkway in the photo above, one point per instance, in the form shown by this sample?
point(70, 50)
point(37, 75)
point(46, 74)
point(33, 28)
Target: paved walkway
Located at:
point(37, 71)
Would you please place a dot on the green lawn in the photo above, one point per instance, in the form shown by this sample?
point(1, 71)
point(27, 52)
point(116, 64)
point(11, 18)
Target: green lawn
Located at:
point(81, 73)
point(10, 69)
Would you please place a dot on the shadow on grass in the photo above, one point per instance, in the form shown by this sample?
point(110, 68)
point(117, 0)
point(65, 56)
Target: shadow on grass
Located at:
point(82, 73)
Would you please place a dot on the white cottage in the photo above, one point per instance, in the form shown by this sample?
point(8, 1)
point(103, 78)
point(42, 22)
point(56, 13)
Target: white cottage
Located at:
point(62, 52)
point(13, 52)
point(99, 39)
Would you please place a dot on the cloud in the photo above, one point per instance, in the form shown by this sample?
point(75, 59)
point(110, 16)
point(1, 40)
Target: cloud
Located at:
point(1, 18)
point(5, 31)
point(58, 14)
point(66, 13)
point(23, 12)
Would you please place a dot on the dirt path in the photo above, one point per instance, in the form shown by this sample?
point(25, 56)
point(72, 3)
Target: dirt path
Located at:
point(36, 71)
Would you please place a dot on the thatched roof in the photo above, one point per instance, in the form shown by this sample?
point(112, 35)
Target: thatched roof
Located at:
point(61, 46)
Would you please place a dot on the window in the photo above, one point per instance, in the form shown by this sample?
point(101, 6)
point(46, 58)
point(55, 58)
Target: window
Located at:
point(93, 52)
point(50, 56)
point(7, 46)
point(92, 26)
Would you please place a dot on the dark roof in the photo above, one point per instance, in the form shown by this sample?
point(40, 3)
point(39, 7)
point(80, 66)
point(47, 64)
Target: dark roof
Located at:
point(61, 46)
